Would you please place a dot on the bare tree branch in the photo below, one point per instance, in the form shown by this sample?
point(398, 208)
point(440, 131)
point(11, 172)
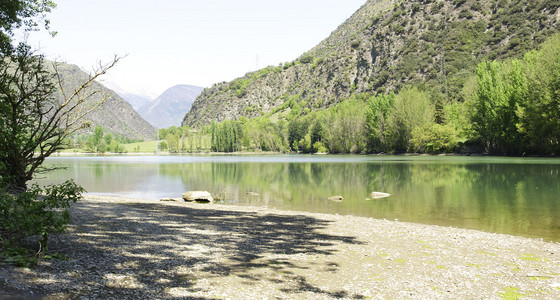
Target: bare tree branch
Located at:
point(34, 122)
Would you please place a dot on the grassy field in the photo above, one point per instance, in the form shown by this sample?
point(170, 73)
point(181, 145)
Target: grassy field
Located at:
point(142, 147)
point(196, 145)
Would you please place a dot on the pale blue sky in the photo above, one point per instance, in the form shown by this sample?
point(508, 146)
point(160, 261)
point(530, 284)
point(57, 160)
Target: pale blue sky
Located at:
point(197, 42)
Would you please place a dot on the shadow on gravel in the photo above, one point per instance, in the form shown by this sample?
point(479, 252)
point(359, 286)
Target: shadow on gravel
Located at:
point(155, 251)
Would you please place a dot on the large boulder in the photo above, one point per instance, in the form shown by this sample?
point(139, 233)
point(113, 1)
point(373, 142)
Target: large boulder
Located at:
point(199, 196)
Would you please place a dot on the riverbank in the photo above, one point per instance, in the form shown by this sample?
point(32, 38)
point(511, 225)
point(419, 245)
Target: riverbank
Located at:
point(136, 249)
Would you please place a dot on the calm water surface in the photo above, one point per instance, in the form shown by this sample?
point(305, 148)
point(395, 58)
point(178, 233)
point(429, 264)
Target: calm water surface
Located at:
point(518, 196)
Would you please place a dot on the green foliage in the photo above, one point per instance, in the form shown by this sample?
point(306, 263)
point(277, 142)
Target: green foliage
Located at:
point(262, 134)
point(173, 138)
point(100, 142)
point(434, 139)
point(239, 86)
point(177, 139)
point(26, 98)
point(226, 136)
point(539, 106)
point(517, 104)
point(377, 117)
point(37, 212)
point(494, 118)
point(162, 145)
point(305, 59)
point(21, 13)
point(297, 130)
point(344, 130)
point(412, 109)
point(458, 117)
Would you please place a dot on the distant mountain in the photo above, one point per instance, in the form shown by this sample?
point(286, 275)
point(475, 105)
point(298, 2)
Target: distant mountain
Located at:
point(115, 115)
point(383, 47)
point(170, 107)
point(135, 100)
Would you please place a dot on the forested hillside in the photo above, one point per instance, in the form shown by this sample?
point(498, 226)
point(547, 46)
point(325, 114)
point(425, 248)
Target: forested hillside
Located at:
point(387, 46)
point(510, 107)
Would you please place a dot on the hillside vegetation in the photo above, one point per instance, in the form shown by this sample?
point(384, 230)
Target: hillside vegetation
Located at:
point(387, 46)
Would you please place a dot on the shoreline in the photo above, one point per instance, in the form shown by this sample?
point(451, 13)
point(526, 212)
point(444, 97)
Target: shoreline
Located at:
point(131, 248)
point(209, 153)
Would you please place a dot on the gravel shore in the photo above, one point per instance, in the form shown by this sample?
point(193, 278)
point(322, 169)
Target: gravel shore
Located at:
point(122, 248)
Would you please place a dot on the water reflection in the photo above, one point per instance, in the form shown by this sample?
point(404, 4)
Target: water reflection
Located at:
point(493, 194)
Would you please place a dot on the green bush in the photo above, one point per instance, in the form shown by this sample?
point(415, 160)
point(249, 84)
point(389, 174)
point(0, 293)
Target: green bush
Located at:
point(305, 59)
point(434, 139)
point(33, 215)
point(319, 147)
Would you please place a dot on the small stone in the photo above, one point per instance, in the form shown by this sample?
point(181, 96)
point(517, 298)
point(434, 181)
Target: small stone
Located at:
point(172, 199)
point(336, 198)
point(379, 195)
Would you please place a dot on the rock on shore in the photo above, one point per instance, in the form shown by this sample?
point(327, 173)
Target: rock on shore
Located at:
point(199, 196)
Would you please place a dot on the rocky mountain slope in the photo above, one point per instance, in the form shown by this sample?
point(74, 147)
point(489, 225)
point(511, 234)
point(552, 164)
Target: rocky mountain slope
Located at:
point(135, 100)
point(385, 45)
point(171, 106)
point(115, 115)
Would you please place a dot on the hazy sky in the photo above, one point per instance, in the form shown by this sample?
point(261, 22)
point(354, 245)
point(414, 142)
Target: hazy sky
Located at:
point(197, 42)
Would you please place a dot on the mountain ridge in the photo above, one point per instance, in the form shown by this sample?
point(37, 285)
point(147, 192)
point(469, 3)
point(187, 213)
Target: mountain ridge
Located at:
point(135, 100)
point(169, 108)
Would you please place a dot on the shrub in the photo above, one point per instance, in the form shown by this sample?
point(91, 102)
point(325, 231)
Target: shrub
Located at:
point(35, 213)
point(434, 139)
point(319, 147)
point(305, 59)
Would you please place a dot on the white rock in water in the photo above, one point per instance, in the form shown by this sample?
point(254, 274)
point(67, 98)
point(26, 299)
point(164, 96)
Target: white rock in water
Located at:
point(377, 195)
point(202, 196)
point(336, 198)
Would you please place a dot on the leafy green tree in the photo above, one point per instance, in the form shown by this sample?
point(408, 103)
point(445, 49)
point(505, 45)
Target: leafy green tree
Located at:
point(173, 142)
point(226, 136)
point(35, 122)
point(297, 129)
point(501, 87)
point(25, 14)
point(317, 130)
point(412, 109)
point(162, 145)
point(96, 142)
point(539, 106)
point(261, 134)
point(108, 139)
point(377, 117)
point(434, 139)
point(345, 127)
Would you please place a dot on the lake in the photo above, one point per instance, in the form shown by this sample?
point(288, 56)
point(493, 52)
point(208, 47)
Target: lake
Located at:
point(519, 196)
